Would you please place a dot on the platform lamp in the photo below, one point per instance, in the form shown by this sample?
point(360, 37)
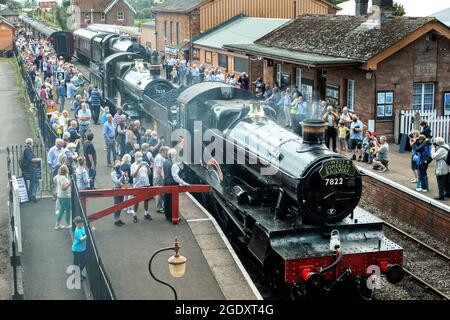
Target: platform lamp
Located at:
point(177, 265)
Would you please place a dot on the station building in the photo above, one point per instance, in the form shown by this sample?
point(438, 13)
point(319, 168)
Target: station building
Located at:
point(10, 15)
point(401, 63)
point(117, 12)
point(178, 22)
point(6, 36)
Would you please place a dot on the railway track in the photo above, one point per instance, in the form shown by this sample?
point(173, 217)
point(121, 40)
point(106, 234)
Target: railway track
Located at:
point(426, 281)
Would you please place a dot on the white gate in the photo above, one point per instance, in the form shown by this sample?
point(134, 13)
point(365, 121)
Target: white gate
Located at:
point(440, 125)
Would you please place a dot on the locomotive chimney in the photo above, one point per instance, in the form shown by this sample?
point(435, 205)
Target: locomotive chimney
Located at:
point(313, 131)
point(139, 64)
point(361, 7)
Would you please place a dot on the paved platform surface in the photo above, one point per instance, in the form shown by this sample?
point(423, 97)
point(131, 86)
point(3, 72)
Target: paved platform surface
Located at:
point(125, 251)
point(46, 254)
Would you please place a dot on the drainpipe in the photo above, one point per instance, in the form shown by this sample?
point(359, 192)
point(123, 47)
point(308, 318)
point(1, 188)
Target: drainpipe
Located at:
point(295, 8)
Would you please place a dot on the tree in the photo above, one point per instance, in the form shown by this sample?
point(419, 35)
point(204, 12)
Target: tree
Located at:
point(399, 9)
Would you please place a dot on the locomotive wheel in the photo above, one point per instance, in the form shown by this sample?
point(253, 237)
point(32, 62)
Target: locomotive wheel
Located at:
point(222, 219)
point(298, 292)
point(362, 290)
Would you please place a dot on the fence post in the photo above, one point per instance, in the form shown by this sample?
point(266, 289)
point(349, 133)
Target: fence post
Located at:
point(397, 127)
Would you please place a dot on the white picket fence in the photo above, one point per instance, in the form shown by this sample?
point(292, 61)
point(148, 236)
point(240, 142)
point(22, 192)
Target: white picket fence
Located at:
point(440, 125)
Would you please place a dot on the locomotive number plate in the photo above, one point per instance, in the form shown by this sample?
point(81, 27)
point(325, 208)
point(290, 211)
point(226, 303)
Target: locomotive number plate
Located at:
point(337, 166)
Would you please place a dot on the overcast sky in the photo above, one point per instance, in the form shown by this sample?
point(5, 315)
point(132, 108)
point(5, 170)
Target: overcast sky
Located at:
point(413, 8)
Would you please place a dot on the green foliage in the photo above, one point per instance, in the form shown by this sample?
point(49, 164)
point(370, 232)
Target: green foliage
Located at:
point(399, 9)
point(143, 8)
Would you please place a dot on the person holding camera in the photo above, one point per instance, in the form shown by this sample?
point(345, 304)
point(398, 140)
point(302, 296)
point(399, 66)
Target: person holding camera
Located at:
point(414, 155)
point(331, 119)
point(440, 154)
point(382, 154)
point(426, 130)
point(140, 171)
point(356, 137)
point(369, 147)
point(424, 151)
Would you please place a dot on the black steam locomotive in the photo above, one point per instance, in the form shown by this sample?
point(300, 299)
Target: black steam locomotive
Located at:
point(95, 45)
point(290, 202)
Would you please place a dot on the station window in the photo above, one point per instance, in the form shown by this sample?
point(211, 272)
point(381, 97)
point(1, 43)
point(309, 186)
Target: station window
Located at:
point(120, 16)
point(103, 17)
point(385, 104)
point(223, 61)
point(351, 95)
point(332, 94)
point(240, 64)
point(423, 96)
point(195, 54)
point(208, 57)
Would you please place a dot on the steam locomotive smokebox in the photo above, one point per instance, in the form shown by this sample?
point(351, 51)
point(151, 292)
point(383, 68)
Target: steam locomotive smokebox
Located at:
point(313, 131)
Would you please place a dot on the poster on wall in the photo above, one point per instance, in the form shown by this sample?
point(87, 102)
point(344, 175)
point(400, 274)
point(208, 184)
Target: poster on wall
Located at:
point(447, 103)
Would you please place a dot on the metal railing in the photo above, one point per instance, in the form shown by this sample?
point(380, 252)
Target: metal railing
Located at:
point(44, 174)
point(48, 134)
point(98, 280)
point(15, 238)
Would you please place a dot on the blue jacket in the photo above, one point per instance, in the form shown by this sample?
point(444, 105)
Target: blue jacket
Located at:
point(95, 99)
point(71, 90)
point(62, 91)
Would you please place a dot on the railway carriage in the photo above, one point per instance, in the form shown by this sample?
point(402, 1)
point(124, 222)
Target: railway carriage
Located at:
point(62, 41)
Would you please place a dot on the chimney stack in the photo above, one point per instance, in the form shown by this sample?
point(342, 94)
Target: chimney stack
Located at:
point(386, 8)
point(361, 7)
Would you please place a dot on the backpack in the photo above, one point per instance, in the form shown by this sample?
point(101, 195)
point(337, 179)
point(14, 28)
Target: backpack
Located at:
point(447, 159)
point(23, 164)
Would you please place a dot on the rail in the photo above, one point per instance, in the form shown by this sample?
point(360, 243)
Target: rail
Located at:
point(428, 286)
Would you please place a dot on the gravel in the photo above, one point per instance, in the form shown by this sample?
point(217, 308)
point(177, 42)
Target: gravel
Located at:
point(419, 261)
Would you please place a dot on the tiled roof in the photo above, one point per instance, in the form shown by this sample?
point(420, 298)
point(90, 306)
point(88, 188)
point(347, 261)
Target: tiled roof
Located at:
point(341, 36)
point(180, 6)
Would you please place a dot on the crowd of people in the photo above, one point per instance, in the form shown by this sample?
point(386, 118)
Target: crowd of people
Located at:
point(136, 159)
point(183, 73)
point(425, 149)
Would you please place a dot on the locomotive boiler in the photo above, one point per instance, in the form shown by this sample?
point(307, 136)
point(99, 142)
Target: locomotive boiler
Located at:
point(126, 80)
point(289, 200)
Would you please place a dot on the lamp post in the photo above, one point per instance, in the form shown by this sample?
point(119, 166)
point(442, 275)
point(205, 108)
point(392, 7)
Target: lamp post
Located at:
point(177, 265)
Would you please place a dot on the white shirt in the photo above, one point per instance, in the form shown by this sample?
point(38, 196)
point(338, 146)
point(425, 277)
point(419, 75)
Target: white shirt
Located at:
point(141, 179)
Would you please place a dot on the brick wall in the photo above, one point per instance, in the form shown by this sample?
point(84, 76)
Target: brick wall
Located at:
point(184, 28)
point(421, 61)
point(111, 16)
point(405, 207)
